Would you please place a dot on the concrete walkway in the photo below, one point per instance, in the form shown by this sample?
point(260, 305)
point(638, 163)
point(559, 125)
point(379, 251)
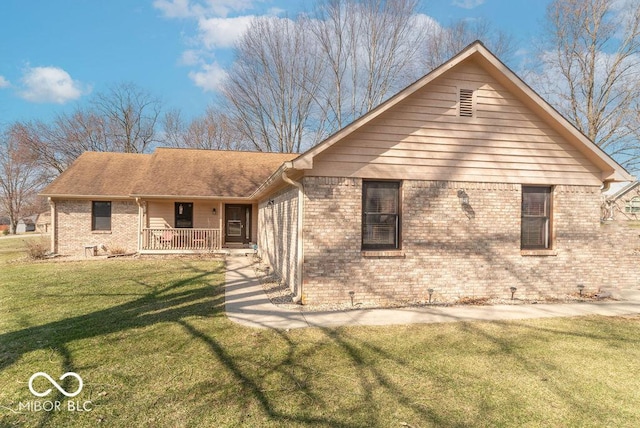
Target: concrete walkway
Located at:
point(247, 304)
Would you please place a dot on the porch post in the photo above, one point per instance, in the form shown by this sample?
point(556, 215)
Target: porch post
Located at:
point(140, 222)
point(221, 230)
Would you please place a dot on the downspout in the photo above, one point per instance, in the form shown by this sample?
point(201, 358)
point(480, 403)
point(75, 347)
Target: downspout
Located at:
point(300, 253)
point(54, 229)
point(607, 204)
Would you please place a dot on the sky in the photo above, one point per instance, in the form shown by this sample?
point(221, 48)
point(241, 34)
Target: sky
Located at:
point(54, 54)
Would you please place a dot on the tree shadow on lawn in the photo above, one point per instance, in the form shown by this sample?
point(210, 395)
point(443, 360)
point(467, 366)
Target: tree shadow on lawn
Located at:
point(168, 303)
point(179, 301)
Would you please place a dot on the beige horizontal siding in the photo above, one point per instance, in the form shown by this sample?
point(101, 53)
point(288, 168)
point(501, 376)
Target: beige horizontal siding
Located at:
point(160, 214)
point(423, 138)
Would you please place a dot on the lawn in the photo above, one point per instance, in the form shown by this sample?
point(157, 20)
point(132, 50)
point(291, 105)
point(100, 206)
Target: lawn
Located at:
point(154, 348)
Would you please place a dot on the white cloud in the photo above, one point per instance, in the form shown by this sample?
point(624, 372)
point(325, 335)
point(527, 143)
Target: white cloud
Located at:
point(174, 8)
point(222, 32)
point(209, 78)
point(50, 85)
point(219, 24)
point(467, 4)
point(189, 57)
point(4, 83)
point(201, 9)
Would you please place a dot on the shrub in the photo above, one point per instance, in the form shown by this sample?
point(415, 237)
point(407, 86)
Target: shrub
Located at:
point(117, 250)
point(37, 249)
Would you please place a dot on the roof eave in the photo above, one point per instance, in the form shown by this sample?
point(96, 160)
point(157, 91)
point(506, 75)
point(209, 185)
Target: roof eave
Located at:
point(76, 196)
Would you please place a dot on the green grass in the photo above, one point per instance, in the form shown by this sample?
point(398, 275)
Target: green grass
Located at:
point(154, 348)
point(13, 248)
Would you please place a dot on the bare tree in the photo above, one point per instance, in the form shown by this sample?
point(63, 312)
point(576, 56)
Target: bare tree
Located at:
point(271, 85)
point(59, 143)
point(20, 177)
point(131, 114)
point(445, 42)
point(370, 48)
point(212, 131)
point(589, 65)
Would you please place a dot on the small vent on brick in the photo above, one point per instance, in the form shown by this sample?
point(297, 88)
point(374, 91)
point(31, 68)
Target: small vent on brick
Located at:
point(466, 102)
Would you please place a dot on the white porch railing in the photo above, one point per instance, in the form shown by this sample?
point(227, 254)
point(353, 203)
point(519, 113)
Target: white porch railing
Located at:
point(180, 240)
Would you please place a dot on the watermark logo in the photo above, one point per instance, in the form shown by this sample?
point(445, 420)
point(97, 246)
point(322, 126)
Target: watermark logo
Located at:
point(50, 405)
point(56, 384)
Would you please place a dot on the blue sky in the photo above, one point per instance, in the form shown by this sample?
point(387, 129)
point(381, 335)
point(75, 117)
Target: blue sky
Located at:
point(55, 53)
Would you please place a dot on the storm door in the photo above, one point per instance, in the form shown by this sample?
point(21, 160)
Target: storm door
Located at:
point(237, 223)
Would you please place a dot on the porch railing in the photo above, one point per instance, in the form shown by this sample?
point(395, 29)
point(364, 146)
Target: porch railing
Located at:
point(180, 239)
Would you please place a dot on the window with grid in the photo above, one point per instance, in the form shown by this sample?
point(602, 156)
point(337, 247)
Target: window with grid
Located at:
point(633, 206)
point(101, 215)
point(380, 215)
point(536, 218)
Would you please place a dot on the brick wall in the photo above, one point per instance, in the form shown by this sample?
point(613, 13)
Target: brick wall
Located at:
point(458, 251)
point(278, 234)
point(73, 227)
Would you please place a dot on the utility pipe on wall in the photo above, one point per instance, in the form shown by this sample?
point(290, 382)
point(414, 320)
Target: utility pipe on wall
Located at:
point(299, 249)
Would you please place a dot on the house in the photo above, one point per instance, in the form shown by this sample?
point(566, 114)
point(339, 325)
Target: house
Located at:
point(622, 202)
point(43, 222)
point(466, 183)
point(27, 224)
point(173, 200)
point(5, 225)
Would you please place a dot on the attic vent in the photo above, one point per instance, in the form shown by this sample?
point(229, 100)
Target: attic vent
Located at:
point(466, 102)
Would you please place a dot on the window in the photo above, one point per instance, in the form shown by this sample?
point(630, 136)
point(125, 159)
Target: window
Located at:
point(465, 102)
point(184, 214)
point(101, 215)
point(380, 215)
point(536, 218)
point(633, 206)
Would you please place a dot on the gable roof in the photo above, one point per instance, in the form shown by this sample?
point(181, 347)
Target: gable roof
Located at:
point(100, 175)
point(611, 170)
point(166, 173)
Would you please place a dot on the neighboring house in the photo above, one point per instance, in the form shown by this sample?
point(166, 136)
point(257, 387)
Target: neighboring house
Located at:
point(27, 224)
point(5, 224)
point(622, 202)
point(466, 183)
point(43, 223)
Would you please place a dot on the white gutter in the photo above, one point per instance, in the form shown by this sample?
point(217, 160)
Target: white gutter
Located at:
point(300, 253)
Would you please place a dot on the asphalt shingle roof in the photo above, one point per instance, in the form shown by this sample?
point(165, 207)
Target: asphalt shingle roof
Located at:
point(168, 172)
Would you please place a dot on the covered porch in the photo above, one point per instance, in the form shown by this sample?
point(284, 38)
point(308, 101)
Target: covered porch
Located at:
point(196, 226)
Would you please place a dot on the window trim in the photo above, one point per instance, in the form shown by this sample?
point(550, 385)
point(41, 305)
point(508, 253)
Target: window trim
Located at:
point(94, 226)
point(633, 206)
point(397, 245)
point(537, 249)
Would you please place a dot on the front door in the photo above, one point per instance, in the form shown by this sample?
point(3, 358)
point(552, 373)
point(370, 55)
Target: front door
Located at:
point(238, 223)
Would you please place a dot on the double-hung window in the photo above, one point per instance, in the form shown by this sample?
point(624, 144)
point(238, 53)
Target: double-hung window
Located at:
point(380, 215)
point(101, 215)
point(536, 218)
